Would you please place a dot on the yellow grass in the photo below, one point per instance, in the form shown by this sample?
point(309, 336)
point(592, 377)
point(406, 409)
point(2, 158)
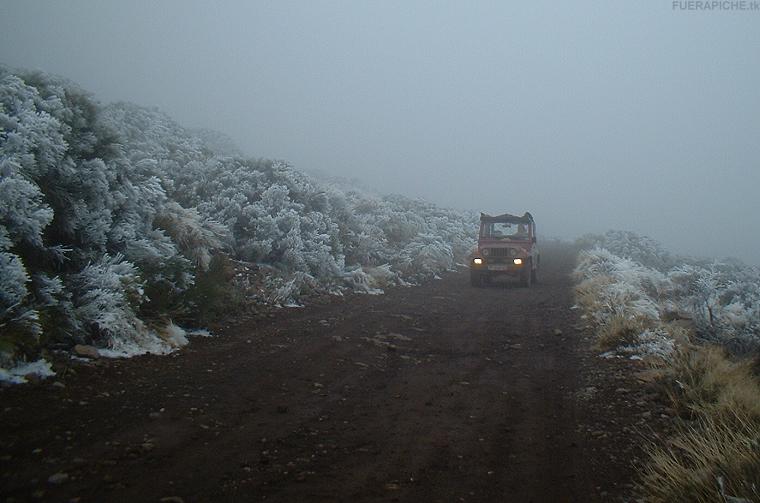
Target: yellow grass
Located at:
point(715, 456)
point(715, 460)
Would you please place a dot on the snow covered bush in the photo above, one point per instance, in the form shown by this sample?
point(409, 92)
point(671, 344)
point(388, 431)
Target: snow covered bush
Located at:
point(640, 249)
point(108, 293)
point(70, 200)
point(620, 295)
point(721, 298)
point(724, 301)
point(313, 233)
point(636, 295)
point(115, 219)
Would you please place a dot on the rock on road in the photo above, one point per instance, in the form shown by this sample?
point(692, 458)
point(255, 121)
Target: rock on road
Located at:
point(439, 393)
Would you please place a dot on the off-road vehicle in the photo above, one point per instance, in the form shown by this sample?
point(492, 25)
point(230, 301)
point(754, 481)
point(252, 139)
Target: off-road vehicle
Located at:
point(506, 247)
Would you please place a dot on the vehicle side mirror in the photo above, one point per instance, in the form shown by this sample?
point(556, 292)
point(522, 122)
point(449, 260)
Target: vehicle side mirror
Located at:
point(533, 240)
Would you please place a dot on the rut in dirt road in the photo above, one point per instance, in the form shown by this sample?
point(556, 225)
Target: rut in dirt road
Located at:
point(436, 393)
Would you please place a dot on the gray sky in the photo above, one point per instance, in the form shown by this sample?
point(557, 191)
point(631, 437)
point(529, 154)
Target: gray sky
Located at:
point(621, 114)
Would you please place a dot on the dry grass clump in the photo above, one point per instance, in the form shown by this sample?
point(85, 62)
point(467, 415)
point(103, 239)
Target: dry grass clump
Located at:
point(703, 380)
point(715, 453)
point(615, 325)
point(619, 331)
point(715, 460)
point(588, 292)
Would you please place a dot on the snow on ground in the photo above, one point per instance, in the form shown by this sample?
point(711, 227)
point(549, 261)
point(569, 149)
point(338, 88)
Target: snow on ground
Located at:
point(18, 374)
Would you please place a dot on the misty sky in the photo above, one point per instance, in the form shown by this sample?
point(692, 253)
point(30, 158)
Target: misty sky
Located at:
point(591, 114)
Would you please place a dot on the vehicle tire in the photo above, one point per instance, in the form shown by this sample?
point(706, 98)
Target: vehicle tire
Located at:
point(476, 279)
point(534, 275)
point(527, 276)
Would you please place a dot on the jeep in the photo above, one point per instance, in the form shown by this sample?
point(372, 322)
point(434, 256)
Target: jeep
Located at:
point(506, 247)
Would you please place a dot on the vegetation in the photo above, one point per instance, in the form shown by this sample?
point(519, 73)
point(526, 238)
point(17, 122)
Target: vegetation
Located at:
point(115, 220)
point(698, 321)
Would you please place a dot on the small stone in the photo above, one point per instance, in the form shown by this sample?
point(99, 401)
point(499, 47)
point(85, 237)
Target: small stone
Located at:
point(557, 332)
point(87, 351)
point(58, 478)
point(58, 384)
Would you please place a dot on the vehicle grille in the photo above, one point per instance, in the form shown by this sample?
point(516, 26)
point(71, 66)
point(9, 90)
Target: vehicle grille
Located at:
point(501, 252)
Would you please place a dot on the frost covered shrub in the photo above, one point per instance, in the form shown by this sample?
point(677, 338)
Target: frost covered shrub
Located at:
point(108, 294)
point(70, 199)
point(426, 255)
point(112, 218)
point(195, 237)
point(714, 456)
point(724, 301)
point(372, 279)
point(721, 298)
point(309, 231)
point(641, 249)
point(618, 288)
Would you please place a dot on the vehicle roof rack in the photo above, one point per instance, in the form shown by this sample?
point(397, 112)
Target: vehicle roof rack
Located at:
point(527, 218)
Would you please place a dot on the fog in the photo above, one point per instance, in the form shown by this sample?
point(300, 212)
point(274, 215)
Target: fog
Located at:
point(642, 116)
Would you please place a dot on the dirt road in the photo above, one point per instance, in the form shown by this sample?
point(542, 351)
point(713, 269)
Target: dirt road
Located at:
point(439, 393)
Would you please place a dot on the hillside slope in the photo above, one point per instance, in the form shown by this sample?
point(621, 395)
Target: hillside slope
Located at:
point(116, 220)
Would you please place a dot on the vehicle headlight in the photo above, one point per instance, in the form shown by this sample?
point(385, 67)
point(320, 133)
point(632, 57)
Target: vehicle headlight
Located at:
point(518, 261)
point(477, 261)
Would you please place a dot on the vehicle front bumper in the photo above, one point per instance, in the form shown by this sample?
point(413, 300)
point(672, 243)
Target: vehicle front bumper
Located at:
point(501, 267)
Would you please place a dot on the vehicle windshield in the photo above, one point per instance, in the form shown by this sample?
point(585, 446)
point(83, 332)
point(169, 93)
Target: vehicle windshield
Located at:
point(504, 230)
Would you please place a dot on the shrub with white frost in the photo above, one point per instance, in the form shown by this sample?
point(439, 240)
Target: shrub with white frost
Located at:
point(111, 214)
point(722, 298)
point(108, 293)
point(621, 286)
